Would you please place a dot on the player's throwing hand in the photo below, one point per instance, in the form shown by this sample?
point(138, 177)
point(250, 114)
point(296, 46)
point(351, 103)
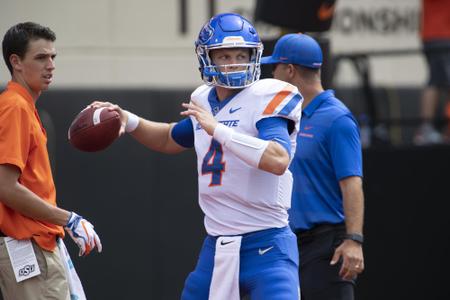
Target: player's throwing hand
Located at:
point(113, 107)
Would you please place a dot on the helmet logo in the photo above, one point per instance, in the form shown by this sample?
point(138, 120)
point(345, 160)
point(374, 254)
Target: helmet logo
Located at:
point(206, 34)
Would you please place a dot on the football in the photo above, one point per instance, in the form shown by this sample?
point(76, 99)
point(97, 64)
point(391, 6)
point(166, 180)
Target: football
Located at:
point(94, 129)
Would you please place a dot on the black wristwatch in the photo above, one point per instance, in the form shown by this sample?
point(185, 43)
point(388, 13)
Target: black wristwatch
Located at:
point(355, 237)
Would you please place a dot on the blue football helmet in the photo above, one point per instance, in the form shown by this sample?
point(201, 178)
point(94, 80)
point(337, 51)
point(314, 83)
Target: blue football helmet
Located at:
point(229, 31)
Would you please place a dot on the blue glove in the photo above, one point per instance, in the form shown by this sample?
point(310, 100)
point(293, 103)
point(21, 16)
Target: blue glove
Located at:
point(83, 234)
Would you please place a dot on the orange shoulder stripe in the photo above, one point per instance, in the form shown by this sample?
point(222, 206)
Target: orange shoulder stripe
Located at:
point(279, 97)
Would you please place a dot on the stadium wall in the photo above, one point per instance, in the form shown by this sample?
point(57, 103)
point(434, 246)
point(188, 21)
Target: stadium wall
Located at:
point(150, 44)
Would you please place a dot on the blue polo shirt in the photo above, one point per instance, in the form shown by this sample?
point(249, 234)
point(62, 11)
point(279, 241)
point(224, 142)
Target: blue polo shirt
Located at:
point(328, 150)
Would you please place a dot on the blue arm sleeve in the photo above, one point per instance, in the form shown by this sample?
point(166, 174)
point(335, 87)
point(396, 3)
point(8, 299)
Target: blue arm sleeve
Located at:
point(345, 148)
point(275, 129)
point(183, 133)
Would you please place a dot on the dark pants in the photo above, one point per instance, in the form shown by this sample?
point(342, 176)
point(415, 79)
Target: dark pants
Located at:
point(437, 53)
point(318, 279)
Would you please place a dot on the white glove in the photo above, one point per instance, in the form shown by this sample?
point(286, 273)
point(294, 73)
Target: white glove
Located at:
point(83, 233)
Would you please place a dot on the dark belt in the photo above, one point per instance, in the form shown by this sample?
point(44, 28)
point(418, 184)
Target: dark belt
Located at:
point(2, 234)
point(319, 229)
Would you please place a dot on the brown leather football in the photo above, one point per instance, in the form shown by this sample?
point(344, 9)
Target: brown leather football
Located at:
point(94, 129)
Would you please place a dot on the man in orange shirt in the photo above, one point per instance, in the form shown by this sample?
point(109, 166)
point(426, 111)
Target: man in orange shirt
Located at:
point(33, 260)
point(435, 34)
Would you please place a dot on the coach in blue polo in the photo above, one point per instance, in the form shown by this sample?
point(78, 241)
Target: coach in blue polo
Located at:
point(327, 203)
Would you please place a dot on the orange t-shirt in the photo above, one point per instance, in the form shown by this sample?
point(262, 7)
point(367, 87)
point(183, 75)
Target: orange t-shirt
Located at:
point(23, 143)
point(435, 19)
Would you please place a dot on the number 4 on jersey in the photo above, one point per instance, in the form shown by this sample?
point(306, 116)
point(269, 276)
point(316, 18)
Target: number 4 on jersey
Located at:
point(213, 163)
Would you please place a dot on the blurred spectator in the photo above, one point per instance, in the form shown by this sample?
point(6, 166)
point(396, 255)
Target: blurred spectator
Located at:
point(435, 34)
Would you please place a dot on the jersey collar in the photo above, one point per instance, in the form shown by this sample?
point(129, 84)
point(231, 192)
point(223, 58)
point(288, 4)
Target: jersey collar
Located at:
point(214, 102)
point(316, 102)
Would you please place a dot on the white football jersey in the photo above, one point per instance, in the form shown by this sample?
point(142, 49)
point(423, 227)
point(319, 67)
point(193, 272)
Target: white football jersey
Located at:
point(235, 197)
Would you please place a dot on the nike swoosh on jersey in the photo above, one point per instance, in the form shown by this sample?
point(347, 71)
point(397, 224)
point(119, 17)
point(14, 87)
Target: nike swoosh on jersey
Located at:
point(264, 251)
point(234, 110)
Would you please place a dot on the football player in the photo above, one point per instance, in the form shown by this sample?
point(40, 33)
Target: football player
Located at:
point(244, 132)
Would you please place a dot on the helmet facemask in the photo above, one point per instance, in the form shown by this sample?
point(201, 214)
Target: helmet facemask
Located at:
point(233, 76)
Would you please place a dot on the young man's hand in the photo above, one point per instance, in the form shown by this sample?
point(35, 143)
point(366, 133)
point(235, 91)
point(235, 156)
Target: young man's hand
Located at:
point(83, 234)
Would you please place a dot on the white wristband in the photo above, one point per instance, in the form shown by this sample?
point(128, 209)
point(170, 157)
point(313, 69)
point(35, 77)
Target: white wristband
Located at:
point(223, 134)
point(249, 149)
point(132, 122)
